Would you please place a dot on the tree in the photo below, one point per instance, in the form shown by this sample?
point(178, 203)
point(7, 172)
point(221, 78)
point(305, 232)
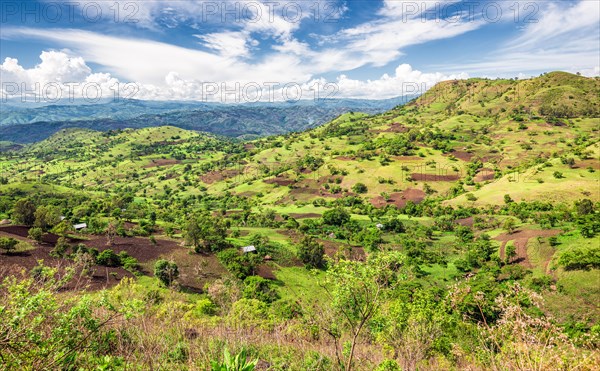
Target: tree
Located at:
point(24, 212)
point(256, 287)
point(204, 232)
point(356, 291)
point(584, 207)
point(35, 234)
point(239, 265)
point(8, 244)
point(338, 216)
point(311, 252)
point(509, 225)
point(508, 199)
point(360, 188)
point(166, 272)
point(108, 258)
point(46, 217)
point(510, 252)
point(111, 231)
point(63, 228)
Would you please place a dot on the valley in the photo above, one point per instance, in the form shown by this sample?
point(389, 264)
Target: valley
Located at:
point(457, 231)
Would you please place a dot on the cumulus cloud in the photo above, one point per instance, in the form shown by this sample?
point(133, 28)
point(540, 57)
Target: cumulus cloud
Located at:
point(57, 76)
point(405, 81)
point(60, 75)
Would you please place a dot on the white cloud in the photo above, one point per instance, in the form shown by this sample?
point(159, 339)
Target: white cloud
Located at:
point(405, 81)
point(60, 75)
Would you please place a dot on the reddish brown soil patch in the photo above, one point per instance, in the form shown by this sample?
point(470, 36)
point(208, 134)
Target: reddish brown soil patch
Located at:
point(593, 163)
point(265, 272)
point(217, 176)
point(305, 215)
point(162, 162)
point(130, 225)
point(420, 177)
point(22, 231)
point(406, 158)
point(345, 158)
point(461, 155)
point(399, 199)
point(140, 248)
point(484, 174)
point(249, 146)
point(520, 239)
point(465, 222)
point(395, 127)
point(332, 248)
point(281, 181)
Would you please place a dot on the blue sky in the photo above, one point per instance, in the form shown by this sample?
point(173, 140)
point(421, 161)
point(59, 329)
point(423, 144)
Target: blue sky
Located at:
point(367, 49)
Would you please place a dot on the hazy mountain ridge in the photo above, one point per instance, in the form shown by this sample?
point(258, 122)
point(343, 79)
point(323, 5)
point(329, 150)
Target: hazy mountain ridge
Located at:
point(235, 120)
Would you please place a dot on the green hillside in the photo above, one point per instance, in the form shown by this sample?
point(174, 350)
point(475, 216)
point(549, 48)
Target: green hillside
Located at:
point(462, 208)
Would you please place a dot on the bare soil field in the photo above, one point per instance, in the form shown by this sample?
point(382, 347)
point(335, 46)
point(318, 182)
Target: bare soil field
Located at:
point(399, 199)
point(520, 239)
point(420, 177)
point(162, 162)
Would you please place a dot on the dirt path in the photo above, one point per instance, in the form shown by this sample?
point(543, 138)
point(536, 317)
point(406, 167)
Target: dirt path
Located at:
point(520, 240)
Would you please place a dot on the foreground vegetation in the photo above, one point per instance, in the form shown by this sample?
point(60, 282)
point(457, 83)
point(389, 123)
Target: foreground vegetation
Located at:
point(457, 232)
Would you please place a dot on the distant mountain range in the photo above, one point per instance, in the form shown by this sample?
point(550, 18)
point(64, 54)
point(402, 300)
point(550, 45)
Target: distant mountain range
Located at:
point(30, 122)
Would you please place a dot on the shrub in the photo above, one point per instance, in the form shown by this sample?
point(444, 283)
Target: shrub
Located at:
point(580, 258)
point(108, 258)
point(60, 248)
point(338, 216)
point(8, 244)
point(35, 234)
point(311, 252)
point(166, 271)
point(258, 288)
point(360, 188)
point(239, 265)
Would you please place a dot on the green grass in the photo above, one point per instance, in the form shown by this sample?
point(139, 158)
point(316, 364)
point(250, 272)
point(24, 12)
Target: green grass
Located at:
point(300, 284)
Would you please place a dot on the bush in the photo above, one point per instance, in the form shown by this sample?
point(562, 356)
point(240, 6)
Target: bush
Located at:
point(35, 234)
point(8, 244)
point(108, 258)
point(239, 265)
point(311, 252)
point(60, 248)
point(360, 188)
point(258, 288)
point(338, 216)
point(166, 271)
point(581, 258)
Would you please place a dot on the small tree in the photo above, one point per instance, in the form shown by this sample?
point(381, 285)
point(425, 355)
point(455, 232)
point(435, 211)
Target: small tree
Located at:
point(35, 234)
point(8, 244)
point(166, 272)
point(360, 188)
point(311, 252)
point(111, 231)
point(338, 216)
point(510, 225)
point(510, 252)
point(204, 232)
point(584, 206)
point(108, 258)
point(256, 287)
point(24, 212)
point(356, 291)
